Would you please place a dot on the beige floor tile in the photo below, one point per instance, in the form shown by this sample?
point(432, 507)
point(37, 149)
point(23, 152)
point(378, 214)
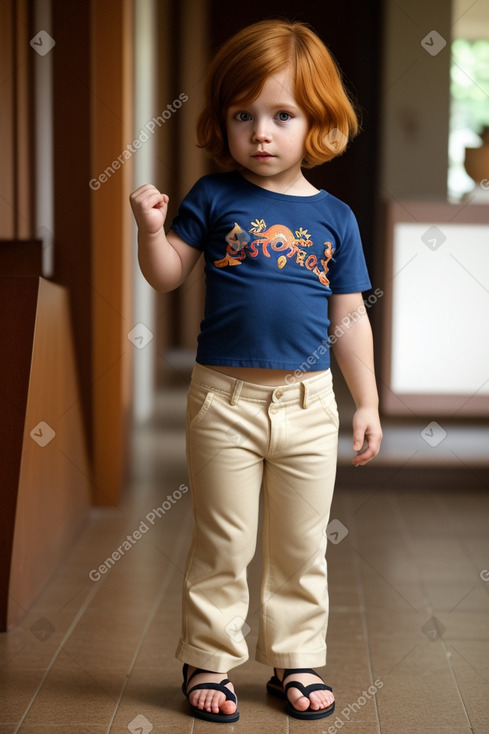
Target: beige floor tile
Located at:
point(416, 725)
point(470, 661)
point(18, 686)
point(421, 682)
point(54, 728)
point(154, 695)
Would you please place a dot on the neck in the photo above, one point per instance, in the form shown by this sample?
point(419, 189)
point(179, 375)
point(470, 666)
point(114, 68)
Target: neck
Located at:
point(293, 185)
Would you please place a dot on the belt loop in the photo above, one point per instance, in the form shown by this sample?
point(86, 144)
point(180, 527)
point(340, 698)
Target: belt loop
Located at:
point(236, 392)
point(305, 394)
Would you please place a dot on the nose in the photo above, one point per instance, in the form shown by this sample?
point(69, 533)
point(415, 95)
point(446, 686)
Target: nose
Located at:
point(261, 132)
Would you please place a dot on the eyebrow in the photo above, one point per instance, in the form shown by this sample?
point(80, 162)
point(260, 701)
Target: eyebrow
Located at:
point(279, 106)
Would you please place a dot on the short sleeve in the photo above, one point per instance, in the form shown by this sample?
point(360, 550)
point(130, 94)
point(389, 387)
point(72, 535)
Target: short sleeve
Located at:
point(348, 270)
point(192, 220)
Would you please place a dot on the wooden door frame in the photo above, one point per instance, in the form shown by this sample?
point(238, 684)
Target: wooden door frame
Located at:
point(112, 55)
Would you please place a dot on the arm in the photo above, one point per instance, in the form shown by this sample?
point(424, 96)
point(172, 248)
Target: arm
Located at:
point(353, 350)
point(165, 259)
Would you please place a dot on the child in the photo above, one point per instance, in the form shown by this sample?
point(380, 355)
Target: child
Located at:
point(283, 262)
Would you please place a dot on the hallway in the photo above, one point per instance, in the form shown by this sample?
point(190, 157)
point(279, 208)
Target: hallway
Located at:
point(408, 637)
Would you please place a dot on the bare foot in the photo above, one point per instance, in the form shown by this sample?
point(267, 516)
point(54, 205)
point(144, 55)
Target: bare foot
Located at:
point(208, 699)
point(317, 699)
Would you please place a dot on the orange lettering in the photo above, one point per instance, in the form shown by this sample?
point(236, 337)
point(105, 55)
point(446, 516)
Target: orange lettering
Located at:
point(253, 249)
point(300, 257)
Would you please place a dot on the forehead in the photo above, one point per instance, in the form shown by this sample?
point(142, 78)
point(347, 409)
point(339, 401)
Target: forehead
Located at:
point(278, 88)
point(280, 85)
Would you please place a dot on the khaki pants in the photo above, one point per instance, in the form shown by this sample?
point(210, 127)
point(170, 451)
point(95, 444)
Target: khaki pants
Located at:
point(240, 437)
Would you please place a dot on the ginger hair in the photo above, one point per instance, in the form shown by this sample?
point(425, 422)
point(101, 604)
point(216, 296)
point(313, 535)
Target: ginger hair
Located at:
point(243, 64)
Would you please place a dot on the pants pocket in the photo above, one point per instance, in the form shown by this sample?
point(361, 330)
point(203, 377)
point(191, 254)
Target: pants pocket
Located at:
point(328, 403)
point(198, 403)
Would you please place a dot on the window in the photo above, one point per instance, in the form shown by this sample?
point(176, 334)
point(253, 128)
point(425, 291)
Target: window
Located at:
point(469, 112)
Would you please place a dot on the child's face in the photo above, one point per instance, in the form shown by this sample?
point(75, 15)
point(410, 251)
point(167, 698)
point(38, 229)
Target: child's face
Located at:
point(267, 136)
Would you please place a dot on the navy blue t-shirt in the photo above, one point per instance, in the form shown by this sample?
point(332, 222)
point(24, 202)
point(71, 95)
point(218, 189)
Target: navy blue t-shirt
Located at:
point(271, 262)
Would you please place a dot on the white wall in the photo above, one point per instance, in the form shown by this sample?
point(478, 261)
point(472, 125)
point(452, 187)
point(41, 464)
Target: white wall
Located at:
point(145, 105)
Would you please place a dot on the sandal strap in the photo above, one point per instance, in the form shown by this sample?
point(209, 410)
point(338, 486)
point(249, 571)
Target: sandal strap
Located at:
point(221, 687)
point(306, 690)
point(197, 671)
point(295, 671)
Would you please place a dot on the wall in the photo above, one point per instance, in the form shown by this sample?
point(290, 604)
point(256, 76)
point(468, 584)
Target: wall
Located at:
point(416, 99)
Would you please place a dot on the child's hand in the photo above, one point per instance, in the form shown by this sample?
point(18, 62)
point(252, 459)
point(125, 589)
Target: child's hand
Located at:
point(149, 207)
point(367, 435)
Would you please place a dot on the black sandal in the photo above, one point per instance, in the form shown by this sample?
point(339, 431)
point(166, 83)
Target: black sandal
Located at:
point(275, 687)
point(221, 686)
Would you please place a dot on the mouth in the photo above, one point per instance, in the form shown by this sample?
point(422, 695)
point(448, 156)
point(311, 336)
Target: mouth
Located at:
point(262, 156)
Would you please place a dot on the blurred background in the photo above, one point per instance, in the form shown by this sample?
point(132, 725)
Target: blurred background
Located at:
point(99, 97)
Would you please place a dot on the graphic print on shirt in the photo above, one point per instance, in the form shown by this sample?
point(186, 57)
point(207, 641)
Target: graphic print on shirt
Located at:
point(258, 239)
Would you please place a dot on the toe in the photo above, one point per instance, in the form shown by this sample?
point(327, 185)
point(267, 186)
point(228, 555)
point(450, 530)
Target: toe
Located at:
point(301, 703)
point(228, 707)
point(209, 699)
point(321, 700)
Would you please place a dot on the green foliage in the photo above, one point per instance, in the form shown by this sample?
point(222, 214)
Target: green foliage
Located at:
point(470, 84)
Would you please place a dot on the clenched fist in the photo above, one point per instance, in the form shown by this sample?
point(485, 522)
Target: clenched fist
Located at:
point(149, 207)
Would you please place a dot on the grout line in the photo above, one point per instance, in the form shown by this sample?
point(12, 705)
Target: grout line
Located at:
point(182, 540)
point(72, 626)
point(362, 607)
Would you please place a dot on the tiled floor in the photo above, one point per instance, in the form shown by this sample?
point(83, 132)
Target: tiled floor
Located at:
point(409, 628)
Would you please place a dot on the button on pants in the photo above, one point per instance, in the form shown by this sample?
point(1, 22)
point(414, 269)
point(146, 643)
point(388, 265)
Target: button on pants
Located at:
point(243, 438)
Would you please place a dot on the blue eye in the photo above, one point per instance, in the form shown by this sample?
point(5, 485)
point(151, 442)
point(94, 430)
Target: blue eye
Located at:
point(243, 116)
point(284, 116)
